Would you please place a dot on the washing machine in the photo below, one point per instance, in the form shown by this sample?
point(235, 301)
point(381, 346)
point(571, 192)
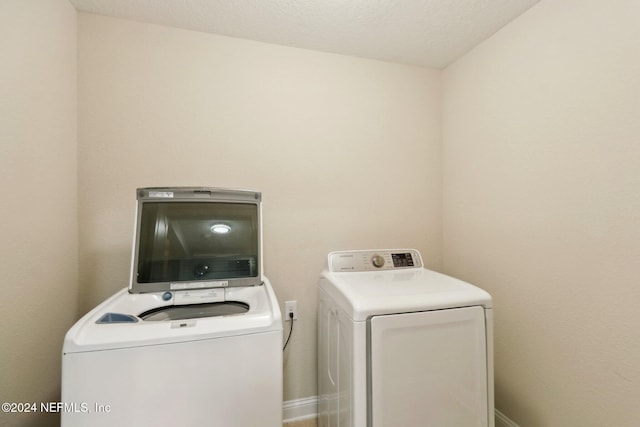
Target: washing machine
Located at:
point(400, 345)
point(196, 337)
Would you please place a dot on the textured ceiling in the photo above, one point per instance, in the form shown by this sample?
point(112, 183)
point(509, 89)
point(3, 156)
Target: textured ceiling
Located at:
point(430, 33)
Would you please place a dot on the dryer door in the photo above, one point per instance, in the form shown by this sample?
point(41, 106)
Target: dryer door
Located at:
point(429, 369)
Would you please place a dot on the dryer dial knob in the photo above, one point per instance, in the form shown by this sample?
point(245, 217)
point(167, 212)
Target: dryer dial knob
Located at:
point(377, 261)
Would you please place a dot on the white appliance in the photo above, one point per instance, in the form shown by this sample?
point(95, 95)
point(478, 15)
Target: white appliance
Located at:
point(196, 339)
point(400, 345)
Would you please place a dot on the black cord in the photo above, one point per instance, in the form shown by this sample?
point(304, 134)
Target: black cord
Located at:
point(290, 331)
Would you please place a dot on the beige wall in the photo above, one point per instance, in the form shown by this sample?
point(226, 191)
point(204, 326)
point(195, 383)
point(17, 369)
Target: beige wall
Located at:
point(346, 152)
point(541, 182)
point(38, 255)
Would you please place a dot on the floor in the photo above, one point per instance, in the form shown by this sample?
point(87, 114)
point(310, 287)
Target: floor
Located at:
point(309, 422)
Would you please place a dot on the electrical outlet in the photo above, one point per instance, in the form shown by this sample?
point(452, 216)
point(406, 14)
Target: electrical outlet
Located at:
point(290, 307)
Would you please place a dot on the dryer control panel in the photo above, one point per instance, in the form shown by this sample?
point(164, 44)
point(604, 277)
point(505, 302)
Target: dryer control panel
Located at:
point(372, 260)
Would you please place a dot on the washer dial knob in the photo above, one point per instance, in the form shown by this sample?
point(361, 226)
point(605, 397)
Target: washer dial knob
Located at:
point(377, 261)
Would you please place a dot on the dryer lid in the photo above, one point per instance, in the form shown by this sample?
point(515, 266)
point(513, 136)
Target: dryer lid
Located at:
point(397, 289)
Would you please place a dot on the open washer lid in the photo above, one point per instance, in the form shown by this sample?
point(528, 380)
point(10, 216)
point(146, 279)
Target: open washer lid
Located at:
point(196, 238)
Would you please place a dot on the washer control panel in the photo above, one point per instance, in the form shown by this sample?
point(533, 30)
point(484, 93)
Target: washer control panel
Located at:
point(372, 260)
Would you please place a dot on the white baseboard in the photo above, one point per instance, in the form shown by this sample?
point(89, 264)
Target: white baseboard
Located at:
point(503, 421)
point(307, 407)
point(300, 409)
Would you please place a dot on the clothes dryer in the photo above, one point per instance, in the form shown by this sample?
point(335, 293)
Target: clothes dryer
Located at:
point(400, 345)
